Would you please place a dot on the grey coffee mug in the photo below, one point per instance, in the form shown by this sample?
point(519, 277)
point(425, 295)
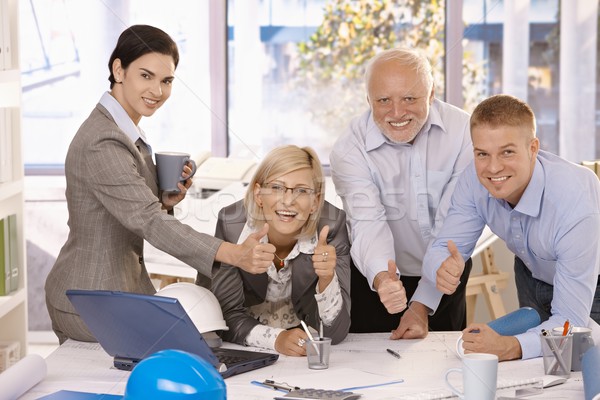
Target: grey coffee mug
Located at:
point(169, 167)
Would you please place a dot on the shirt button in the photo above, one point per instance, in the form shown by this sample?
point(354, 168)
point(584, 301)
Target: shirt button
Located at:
point(518, 236)
point(522, 251)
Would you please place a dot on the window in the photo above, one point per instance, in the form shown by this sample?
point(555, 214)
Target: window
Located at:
point(294, 68)
point(65, 71)
point(522, 45)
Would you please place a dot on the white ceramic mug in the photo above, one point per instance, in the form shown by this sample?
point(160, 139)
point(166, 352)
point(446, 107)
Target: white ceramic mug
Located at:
point(480, 375)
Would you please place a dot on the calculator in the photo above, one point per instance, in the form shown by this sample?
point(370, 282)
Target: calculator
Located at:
point(318, 394)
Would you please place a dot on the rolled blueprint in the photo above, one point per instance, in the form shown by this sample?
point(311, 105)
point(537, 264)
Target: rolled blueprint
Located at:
point(22, 376)
point(516, 322)
point(590, 369)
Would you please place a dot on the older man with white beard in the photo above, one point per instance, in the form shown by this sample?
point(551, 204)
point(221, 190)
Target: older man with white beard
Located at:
point(395, 170)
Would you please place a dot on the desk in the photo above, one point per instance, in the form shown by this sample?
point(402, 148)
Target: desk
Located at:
point(359, 360)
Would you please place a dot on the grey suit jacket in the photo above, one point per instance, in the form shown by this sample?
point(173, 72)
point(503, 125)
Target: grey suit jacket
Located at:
point(237, 290)
point(112, 198)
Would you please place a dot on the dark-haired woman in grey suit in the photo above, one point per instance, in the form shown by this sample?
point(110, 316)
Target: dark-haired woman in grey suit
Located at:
point(112, 194)
point(310, 276)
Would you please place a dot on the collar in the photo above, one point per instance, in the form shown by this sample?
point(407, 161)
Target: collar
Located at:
point(531, 200)
point(121, 118)
point(375, 138)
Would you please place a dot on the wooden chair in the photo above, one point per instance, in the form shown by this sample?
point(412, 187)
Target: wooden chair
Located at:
point(489, 283)
point(593, 165)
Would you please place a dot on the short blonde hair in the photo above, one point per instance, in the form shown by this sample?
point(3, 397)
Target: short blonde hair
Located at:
point(280, 161)
point(406, 57)
point(503, 110)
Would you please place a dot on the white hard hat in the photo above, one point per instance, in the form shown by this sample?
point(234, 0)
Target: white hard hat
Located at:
point(200, 304)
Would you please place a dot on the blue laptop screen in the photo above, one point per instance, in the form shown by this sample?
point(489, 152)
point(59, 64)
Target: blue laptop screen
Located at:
point(134, 326)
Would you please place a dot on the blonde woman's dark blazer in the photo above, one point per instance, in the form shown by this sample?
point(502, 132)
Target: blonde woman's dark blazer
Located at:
point(238, 290)
point(112, 198)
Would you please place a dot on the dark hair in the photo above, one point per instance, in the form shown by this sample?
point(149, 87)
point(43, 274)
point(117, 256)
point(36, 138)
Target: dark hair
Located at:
point(139, 40)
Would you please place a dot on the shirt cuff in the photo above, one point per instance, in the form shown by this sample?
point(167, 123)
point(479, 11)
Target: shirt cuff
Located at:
point(373, 269)
point(531, 345)
point(330, 301)
point(263, 336)
point(427, 294)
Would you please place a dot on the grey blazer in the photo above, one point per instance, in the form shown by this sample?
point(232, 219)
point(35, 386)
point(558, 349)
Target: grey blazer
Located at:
point(112, 198)
point(237, 290)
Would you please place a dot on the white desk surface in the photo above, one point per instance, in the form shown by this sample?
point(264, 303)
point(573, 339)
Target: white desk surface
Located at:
point(360, 360)
point(201, 214)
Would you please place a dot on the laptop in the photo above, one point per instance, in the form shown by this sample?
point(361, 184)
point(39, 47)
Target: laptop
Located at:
point(130, 327)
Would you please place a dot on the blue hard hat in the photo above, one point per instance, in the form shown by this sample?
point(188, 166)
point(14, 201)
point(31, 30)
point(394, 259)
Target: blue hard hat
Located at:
point(174, 375)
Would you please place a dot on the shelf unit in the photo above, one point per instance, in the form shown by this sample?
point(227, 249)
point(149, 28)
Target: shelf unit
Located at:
point(13, 307)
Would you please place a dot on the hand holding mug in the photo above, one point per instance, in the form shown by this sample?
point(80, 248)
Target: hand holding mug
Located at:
point(173, 169)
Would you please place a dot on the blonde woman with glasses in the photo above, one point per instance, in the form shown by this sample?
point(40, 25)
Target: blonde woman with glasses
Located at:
point(309, 279)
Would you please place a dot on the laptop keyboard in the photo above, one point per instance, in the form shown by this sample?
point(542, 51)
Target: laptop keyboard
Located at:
point(229, 359)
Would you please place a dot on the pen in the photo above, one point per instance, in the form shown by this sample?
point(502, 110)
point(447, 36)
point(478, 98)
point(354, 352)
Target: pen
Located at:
point(270, 384)
point(310, 337)
point(566, 332)
point(320, 328)
point(566, 328)
point(394, 353)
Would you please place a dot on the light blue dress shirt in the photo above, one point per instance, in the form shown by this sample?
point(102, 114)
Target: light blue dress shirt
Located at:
point(554, 230)
point(396, 195)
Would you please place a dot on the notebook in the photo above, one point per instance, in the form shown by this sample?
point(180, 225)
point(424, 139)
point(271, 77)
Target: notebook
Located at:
point(132, 326)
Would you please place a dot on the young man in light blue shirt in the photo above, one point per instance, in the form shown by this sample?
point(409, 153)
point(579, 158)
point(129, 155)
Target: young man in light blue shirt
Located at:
point(545, 208)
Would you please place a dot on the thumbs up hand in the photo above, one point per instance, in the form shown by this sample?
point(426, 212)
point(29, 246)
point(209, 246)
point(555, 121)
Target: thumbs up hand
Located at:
point(448, 274)
point(255, 257)
point(390, 289)
point(324, 260)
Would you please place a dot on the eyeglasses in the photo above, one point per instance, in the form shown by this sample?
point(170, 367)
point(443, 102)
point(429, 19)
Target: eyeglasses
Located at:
point(280, 190)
